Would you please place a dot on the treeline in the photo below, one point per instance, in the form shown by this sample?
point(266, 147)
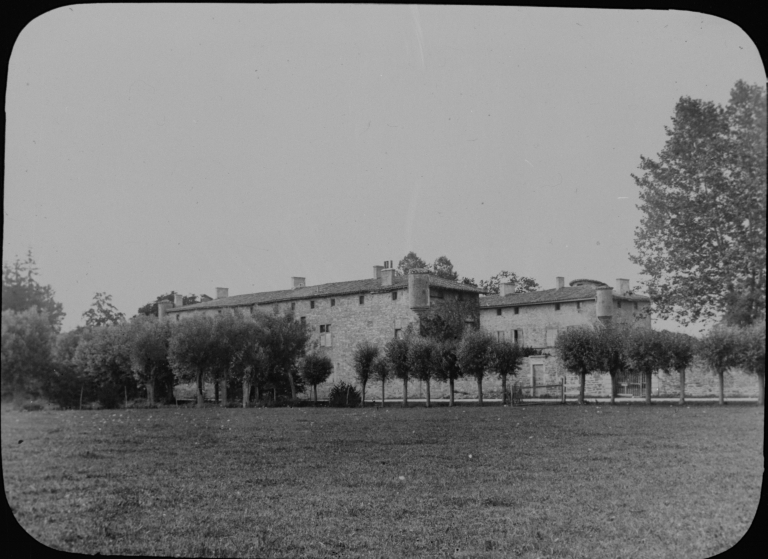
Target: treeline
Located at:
point(615, 348)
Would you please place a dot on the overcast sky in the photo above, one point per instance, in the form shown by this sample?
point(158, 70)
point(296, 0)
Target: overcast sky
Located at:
point(152, 148)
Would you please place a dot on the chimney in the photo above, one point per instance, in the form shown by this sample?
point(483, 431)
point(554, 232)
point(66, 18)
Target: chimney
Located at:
point(604, 303)
point(622, 286)
point(222, 292)
point(560, 281)
point(162, 308)
point(377, 271)
point(506, 289)
point(205, 298)
point(297, 282)
point(178, 300)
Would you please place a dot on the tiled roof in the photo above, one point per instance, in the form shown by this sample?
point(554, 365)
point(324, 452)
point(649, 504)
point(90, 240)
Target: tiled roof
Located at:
point(577, 293)
point(324, 290)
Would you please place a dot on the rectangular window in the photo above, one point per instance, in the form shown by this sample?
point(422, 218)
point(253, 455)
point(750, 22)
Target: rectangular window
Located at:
point(311, 304)
point(517, 336)
point(394, 295)
point(618, 304)
point(498, 312)
point(362, 299)
point(303, 319)
point(557, 306)
point(500, 335)
point(578, 305)
point(551, 337)
point(293, 306)
point(517, 310)
point(322, 328)
point(398, 334)
point(333, 302)
point(635, 306)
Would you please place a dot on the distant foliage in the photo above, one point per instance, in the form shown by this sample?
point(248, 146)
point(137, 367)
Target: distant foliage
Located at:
point(344, 395)
point(449, 320)
point(150, 309)
point(27, 350)
point(21, 291)
point(443, 268)
point(103, 312)
point(409, 262)
point(523, 284)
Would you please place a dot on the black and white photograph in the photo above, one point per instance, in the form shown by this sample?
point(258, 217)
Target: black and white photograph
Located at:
point(383, 281)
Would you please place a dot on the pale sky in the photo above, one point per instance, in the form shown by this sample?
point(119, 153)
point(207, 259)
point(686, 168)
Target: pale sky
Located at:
point(153, 147)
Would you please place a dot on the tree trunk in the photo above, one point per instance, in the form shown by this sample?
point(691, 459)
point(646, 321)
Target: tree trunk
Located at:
point(200, 399)
point(314, 392)
point(216, 391)
point(721, 385)
point(429, 400)
point(224, 392)
point(479, 391)
point(503, 390)
point(383, 386)
point(405, 393)
point(450, 386)
point(82, 387)
point(613, 389)
point(648, 378)
point(760, 389)
point(125, 391)
point(582, 383)
point(151, 392)
point(257, 394)
point(293, 386)
point(362, 401)
point(246, 392)
point(682, 387)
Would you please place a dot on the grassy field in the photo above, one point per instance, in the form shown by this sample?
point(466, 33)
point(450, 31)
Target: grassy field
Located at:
point(542, 481)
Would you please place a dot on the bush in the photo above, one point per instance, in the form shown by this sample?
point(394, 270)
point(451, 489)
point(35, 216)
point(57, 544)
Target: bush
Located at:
point(344, 395)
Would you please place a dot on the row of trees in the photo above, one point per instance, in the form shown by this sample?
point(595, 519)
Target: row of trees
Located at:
point(615, 348)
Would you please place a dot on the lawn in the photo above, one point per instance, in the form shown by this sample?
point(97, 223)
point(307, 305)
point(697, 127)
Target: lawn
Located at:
point(542, 481)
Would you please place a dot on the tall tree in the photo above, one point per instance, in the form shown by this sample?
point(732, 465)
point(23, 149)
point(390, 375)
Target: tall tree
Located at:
point(422, 359)
point(701, 239)
point(380, 371)
point(362, 359)
point(447, 368)
point(315, 368)
point(285, 341)
point(443, 268)
point(506, 359)
point(474, 357)
point(576, 350)
point(720, 349)
point(409, 262)
point(105, 358)
point(396, 351)
point(21, 291)
point(523, 284)
point(148, 340)
point(27, 343)
point(192, 352)
point(103, 312)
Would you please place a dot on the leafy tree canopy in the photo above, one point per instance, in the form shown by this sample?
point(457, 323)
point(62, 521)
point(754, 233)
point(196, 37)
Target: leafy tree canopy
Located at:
point(409, 262)
point(523, 284)
point(151, 308)
point(448, 320)
point(701, 239)
point(21, 291)
point(103, 312)
point(443, 268)
point(27, 343)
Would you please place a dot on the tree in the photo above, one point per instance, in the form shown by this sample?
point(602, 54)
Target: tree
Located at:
point(410, 262)
point(680, 351)
point(150, 309)
point(315, 369)
point(68, 385)
point(506, 359)
point(396, 351)
point(240, 352)
point(148, 341)
point(380, 371)
point(576, 350)
point(610, 352)
point(448, 320)
point(701, 239)
point(362, 359)
point(645, 354)
point(474, 356)
point(752, 355)
point(27, 343)
point(103, 312)
point(447, 368)
point(285, 341)
point(422, 360)
point(191, 351)
point(21, 291)
point(443, 268)
point(719, 349)
point(523, 284)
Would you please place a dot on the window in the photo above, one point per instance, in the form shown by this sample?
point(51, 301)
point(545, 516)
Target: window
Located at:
point(398, 333)
point(333, 302)
point(219, 311)
point(498, 312)
point(322, 328)
point(500, 335)
point(362, 299)
point(551, 336)
point(394, 295)
point(517, 310)
point(517, 336)
point(557, 306)
point(303, 319)
point(177, 316)
point(293, 306)
point(311, 304)
point(635, 305)
point(618, 304)
point(578, 305)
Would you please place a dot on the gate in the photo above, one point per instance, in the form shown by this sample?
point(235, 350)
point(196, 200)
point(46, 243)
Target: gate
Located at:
point(630, 384)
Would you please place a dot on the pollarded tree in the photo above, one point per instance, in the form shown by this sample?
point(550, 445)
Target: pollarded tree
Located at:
point(447, 365)
point(380, 371)
point(506, 359)
point(610, 343)
point(719, 349)
point(474, 357)
point(285, 342)
point(315, 368)
point(192, 352)
point(422, 359)
point(680, 352)
point(362, 360)
point(576, 350)
point(752, 355)
point(396, 352)
point(27, 343)
point(701, 239)
point(148, 340)
point(242, 353)
point(646, 354)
